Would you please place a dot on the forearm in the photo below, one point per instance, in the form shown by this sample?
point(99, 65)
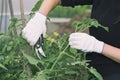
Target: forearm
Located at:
point(48, 5)
point(112, 52)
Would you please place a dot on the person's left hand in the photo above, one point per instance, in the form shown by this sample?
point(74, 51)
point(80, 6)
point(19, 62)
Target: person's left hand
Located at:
point(85, 42)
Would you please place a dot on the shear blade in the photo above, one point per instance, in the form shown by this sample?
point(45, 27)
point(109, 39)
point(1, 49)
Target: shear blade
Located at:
point(41, 52)
point(37, 53)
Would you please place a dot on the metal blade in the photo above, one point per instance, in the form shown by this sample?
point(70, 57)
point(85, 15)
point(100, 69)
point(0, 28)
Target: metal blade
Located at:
point(37, 53)
point(41, 51)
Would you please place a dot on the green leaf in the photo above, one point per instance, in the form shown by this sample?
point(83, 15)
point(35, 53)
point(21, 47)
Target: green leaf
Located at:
point(77, 24)
point(85, 77)
point(9, 48)
point(12, 26)
point(106, 28)
point(2, 66)
point(31, 60)
point(37, 6)
point(95, 73)
point(40, 77)
point(72, 50)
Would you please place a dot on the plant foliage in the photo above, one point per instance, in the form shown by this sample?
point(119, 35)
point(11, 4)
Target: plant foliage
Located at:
point(19, 62)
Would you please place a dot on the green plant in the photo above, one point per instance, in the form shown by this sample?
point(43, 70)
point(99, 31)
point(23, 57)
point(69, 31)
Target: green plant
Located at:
point(86, 23)
point(19, 61)
point(61, 11)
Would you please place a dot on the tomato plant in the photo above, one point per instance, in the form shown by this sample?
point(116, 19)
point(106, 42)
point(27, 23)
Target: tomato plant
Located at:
point(18, 59)
point(19, 62)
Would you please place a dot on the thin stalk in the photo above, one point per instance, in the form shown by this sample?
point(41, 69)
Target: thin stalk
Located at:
point(11, 8)
point(28, 66)
point(23, 23)
point(38, 67)
point(59, 56)
point(56, 60)
point(6, 10)
point(12, 14)
point(69, 55)
point(75, 29)
point(28, 71)
point(22, 12)
point(2, 9)
point(84, 29)
point(63, 44)
point(81, 29)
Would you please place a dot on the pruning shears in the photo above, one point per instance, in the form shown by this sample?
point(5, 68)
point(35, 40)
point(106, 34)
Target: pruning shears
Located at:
point(38, 47)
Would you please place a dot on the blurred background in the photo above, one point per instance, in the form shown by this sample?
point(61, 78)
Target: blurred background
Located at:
point(5, 11)
point(19, 61)
point(60, 17)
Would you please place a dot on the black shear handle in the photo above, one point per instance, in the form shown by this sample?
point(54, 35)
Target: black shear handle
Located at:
point(40, 42)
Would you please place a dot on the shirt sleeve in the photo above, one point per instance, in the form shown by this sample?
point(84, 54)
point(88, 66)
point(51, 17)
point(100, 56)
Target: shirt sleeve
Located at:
point(75, 2)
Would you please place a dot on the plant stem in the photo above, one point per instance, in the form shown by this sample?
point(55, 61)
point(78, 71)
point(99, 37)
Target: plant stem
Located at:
point(28, 71)
point(11, 9)
point(22, 12)
point(38, 67)
point(59, 56)
point(56, 60)
point(69, 55)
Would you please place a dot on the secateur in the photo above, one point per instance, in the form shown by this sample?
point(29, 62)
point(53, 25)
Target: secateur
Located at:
point(38, 47)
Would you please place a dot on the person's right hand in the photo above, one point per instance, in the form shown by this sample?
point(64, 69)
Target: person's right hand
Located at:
point(85, 42)
point(34, 28)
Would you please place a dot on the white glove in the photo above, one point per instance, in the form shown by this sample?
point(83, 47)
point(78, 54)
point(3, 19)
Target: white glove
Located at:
point(34, 28)
point(85, 42)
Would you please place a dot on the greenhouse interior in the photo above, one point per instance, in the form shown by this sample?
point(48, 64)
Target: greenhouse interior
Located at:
point(37, 45)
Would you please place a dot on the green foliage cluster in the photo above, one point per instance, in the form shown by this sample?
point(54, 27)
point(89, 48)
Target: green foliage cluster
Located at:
point(19, 62)
point(66, 12)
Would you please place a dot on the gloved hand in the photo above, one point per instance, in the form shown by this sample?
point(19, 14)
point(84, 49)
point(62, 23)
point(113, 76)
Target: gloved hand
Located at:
point(85, 42)
point(34, 28)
